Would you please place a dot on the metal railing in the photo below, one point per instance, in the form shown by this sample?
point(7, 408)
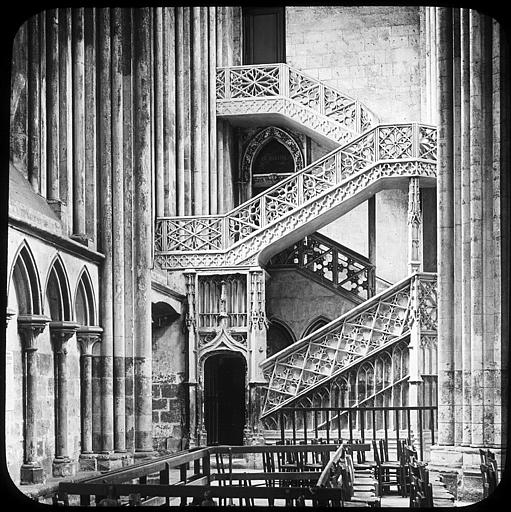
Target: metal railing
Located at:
point(418, 423)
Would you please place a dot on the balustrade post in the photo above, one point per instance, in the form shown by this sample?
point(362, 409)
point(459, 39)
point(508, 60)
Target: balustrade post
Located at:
point(376, 144)
point(299, 189)
point(284, 80)
point(262, 206)
point(322, 98)
point(29, 328)
point(358, 117)
point(415, 140)
point(225, 232)
point(227, 85)
point(338, 167)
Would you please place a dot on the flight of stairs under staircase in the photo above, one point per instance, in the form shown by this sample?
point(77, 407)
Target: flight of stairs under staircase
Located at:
point(379, 324)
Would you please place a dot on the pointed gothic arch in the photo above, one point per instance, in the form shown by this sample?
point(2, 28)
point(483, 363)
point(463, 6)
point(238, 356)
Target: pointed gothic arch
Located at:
point(84, 300)
point(279, 336)
point(57, 291)
point(263, 139)
point(25, 279)
point(316, 324)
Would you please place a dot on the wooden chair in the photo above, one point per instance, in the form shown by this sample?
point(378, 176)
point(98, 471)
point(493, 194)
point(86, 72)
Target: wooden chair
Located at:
point(388, 473)
point(359, 457)
point(489, 477)
point(421, 490)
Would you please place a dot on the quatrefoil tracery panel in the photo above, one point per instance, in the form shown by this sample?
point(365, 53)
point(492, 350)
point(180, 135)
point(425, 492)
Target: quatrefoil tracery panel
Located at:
point(395, 142)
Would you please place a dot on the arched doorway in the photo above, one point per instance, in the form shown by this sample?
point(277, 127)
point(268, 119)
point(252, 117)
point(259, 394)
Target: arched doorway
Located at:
point(279, 337)
point(224, 398)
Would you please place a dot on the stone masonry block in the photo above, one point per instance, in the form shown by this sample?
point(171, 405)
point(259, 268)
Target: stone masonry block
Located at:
point(160, 404)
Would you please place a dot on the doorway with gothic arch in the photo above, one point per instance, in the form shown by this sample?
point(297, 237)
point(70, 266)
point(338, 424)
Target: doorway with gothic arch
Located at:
point(224, 398)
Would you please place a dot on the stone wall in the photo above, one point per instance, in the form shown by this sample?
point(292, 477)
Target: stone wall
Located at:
point(169, 391)
point(297, 301)
point(368, 52)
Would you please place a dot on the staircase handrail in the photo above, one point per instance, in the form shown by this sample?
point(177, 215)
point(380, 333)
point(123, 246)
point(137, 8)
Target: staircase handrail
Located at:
point(229, 229)
point(281, 80)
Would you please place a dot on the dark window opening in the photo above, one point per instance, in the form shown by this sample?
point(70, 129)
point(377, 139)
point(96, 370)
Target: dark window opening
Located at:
point(263, 35)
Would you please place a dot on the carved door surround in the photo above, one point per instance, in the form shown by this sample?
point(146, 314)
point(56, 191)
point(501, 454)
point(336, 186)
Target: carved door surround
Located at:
point(253, 149)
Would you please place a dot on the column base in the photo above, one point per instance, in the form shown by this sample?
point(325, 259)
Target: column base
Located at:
point(149, 454)
point(31, 474)
point(87, 462)
point(111, 460)
point(459, 467)
point(63, 467)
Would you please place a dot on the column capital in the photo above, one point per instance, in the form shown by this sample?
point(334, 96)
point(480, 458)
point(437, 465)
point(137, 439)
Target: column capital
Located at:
point(60, 333)
point(9, 313)
point(87, 336)
point(29, 327)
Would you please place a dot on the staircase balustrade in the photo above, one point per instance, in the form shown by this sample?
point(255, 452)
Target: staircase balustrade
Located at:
point(311, 364)
point(330, 263)
point(268, 88)
point(236, 238)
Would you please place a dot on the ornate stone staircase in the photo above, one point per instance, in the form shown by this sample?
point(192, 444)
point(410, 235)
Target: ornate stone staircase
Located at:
point(331, 264)
point(307, 371)
point(301, 204)
point(281, 90)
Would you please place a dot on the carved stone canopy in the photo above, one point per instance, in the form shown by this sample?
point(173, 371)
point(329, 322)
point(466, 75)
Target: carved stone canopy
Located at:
point(61, 332)
point(87, 336)
point(29, 327)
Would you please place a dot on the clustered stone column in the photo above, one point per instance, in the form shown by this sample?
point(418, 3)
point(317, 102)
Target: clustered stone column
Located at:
point(110, 99)
point(194, 436)
point(472, 354)
point(142, 249)
point(60, 333)
point(29, 328)
point(87, 337)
